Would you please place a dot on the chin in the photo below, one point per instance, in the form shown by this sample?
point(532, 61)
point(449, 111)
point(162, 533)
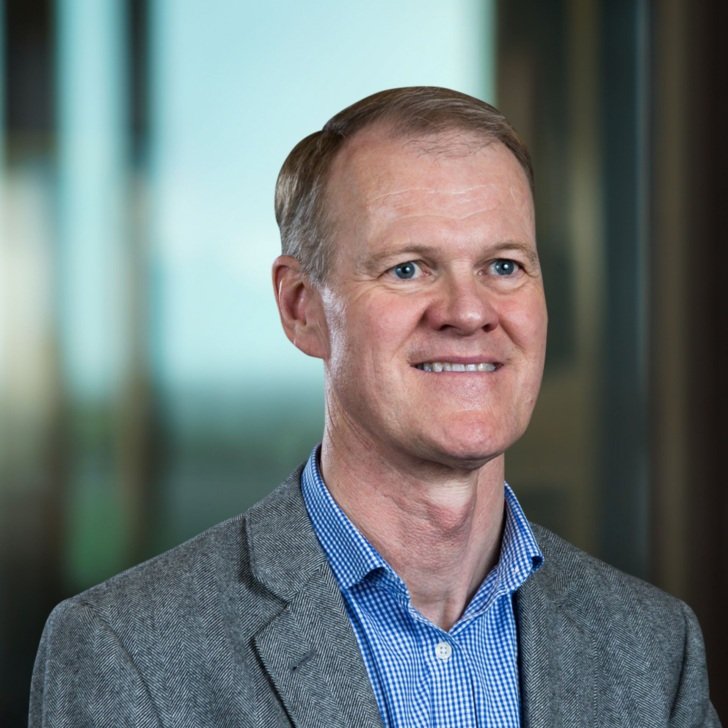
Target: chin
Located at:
point(466, 454)
point(470, 458)
point(470, 446)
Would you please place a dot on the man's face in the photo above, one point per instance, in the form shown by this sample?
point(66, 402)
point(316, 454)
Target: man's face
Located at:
point(433, 312)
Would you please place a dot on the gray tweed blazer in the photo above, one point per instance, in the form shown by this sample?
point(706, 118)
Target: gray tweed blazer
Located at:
point(245, 626)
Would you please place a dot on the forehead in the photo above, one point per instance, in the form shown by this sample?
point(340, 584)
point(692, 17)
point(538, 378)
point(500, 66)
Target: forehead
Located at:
point(372, 148)
point(456, 172)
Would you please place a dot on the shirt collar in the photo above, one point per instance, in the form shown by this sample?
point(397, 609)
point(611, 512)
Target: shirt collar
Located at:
point(353, 558)
point(520, 556)
point(350, 555)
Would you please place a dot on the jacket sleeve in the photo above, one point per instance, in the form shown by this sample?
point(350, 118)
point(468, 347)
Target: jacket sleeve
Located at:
point(692, 706)
point(83, 676)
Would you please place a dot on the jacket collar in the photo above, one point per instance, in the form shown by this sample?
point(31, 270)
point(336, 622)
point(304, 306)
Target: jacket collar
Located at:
point(556, 652)
point(308, 648)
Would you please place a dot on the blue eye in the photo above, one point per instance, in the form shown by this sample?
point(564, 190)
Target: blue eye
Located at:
point(405, 271)
point(505, 267)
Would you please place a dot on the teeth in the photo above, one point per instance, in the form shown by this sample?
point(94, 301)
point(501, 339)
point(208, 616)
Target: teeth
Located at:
point(446, 366)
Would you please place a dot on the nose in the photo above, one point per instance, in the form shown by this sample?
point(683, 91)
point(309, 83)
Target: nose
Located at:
point(462, 305)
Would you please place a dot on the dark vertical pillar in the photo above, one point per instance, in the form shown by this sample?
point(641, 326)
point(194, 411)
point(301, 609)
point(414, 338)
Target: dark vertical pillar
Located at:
point(624, 464)
point(689, 352)
point(32, 480)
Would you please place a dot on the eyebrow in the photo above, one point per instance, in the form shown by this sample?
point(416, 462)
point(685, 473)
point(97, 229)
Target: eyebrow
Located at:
point(528, 251)
point(425, 251)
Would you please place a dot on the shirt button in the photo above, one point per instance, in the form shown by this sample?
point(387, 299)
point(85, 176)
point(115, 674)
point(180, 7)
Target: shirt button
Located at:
point(443, 651)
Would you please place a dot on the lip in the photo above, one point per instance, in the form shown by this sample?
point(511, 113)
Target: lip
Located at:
point(456, 359)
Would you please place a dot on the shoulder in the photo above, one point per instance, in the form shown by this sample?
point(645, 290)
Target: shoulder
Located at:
point(170, 636)
point(619, 611)
point(592, 587)
point(194, 582)
point(598, 595)
point(643, 647)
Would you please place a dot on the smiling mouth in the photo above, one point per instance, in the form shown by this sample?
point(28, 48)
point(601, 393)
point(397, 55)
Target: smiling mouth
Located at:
point(447, 366)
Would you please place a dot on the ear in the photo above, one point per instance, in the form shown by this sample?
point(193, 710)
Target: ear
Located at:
point(300, 307)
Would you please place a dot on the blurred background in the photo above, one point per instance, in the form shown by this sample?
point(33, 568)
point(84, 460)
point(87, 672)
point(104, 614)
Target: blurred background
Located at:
point(146, 388)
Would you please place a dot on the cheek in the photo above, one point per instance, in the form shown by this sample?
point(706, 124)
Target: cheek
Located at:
point(380, 322)
point(394, 318)
point(527, 323)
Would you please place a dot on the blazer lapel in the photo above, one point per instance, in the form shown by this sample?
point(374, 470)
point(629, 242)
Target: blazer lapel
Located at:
point(308, 649)
point(557, 658)
point(312, 657)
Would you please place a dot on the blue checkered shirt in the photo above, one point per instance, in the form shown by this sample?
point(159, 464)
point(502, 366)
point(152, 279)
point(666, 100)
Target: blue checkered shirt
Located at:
point(421, 674)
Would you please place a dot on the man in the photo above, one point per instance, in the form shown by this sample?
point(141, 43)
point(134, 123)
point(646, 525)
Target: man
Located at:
point(393, 580)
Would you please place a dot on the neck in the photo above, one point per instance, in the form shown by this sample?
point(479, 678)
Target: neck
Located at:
point(437, 526)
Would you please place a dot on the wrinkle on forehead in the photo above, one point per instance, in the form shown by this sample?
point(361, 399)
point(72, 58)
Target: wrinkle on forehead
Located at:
point(465, 196)
point(461, 204)
point(426, 190)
